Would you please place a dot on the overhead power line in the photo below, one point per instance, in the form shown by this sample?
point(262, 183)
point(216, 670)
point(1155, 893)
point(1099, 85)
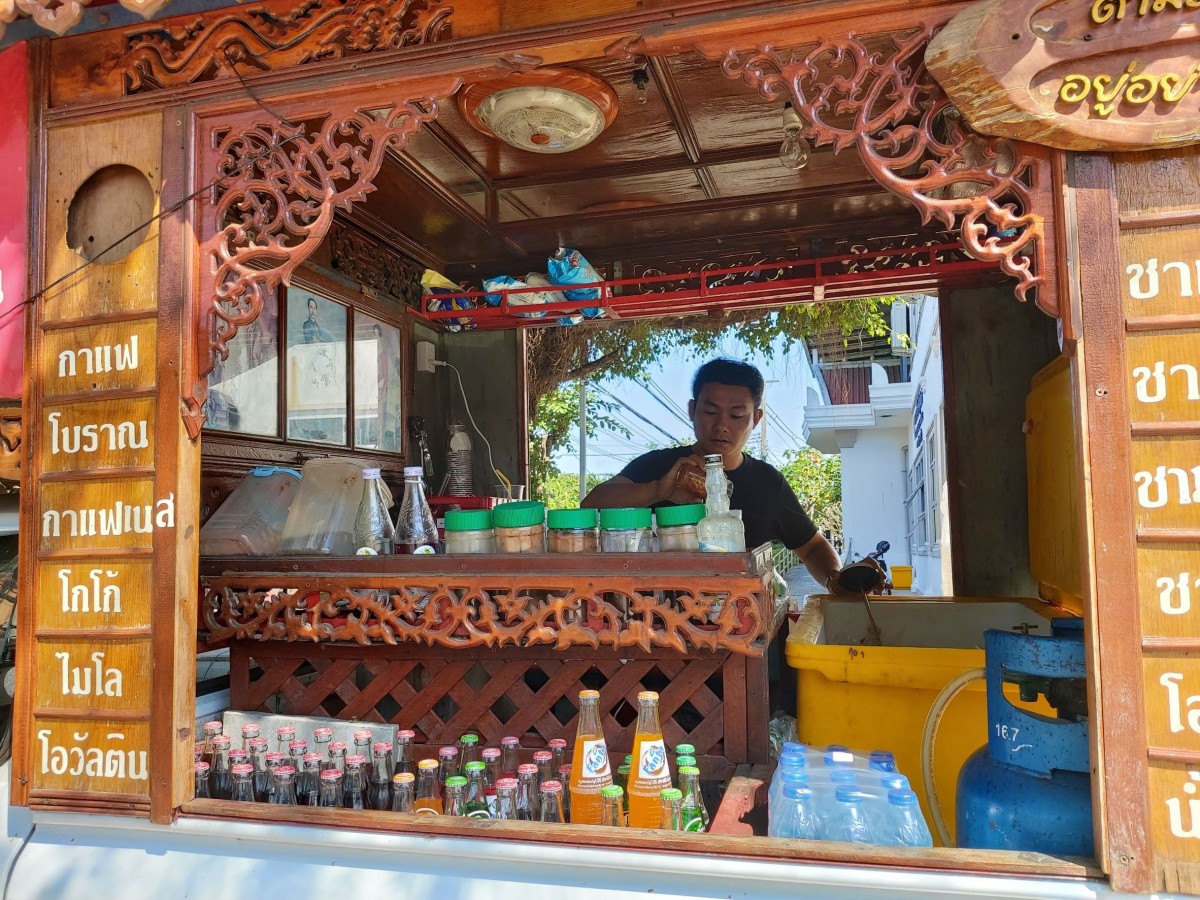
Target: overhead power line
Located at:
point(634, 412)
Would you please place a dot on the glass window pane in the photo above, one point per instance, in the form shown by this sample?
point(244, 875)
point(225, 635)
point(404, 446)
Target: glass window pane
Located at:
point(316, 369)
point(243, 390)
point(376, 384)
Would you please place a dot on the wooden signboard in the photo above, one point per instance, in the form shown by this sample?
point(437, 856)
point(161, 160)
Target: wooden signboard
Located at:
point(99, 536)
point(1075, 74)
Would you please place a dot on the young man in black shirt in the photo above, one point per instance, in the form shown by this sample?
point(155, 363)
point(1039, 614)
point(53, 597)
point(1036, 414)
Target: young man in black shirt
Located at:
point(726, 406)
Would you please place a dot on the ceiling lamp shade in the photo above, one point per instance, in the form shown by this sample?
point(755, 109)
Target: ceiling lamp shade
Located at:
point(543, 111)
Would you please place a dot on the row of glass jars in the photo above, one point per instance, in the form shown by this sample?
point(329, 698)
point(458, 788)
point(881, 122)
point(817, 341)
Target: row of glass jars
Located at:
point(524, 526)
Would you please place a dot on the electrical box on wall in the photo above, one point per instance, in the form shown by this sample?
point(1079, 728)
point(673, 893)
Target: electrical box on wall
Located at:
point(425, 356)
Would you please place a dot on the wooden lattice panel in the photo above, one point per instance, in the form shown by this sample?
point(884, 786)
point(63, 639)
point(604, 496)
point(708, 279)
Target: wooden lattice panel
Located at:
point(716, 702)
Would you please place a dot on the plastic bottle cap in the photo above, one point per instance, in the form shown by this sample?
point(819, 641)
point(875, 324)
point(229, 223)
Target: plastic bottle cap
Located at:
point(370, 473)
point(626, 518)
point(510, 742)
point(571, 518)
point(526, 769)
point(794, 748)
point(685, 750)
point(519, 514)
point(556, 743)
point(902, 798)
point(671, 794)
point(612, 790)
point(506, 784)
point(551, 785)
point(456, 781)
point(202, 767)
point(647, 697)
point(688, 770)
point(672, 516)
point(794, 792)
point(795, 777)
point(847, 795)
point(468, 520)
point(428, 764)
point(893, 781)
point(414, 472)
point(475, 766)
point(403, 778)
point(490, 753)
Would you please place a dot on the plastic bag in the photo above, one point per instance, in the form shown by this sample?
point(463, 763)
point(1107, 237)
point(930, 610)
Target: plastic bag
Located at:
point(537, 279)
point(782, 728)
point(570, 267)
point(525, 298)
point(434, 283)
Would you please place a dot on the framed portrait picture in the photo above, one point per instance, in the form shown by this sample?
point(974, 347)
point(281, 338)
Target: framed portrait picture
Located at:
point(243, 390)
point(316, 369)
point(377, 388)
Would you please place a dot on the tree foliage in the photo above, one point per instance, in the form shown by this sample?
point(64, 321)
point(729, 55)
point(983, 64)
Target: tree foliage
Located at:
point(561, 490)
point(817, 481)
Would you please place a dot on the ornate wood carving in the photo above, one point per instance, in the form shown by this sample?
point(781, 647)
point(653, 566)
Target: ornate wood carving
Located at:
point(276, 189)
point(374, 265)
point(259, 37)
point(484, 607)
point(914, 142)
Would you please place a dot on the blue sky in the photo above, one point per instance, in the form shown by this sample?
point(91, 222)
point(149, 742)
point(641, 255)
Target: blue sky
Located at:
point(672, 377)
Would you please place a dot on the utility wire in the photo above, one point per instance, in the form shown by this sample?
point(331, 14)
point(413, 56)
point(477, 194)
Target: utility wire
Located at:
point(622, 403)
point(646, 386)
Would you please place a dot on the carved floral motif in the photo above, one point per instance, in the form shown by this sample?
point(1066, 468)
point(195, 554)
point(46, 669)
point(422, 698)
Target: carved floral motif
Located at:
point(261, 38)
point(914, 143)
point(374, 265)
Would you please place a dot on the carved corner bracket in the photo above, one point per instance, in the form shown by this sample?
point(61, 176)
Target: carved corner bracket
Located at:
point(273, 192)
point(995, 192)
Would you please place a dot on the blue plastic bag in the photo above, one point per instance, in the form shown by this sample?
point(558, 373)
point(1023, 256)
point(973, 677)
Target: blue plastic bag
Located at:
point(570, 267)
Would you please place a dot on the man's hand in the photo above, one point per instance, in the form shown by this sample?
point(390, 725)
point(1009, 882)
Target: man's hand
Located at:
point(669, 487)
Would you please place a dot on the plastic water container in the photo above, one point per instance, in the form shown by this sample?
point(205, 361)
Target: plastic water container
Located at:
point(795, 815)
point(905, 826)
point(847, 819)
point(251, 520)
point(321, 520)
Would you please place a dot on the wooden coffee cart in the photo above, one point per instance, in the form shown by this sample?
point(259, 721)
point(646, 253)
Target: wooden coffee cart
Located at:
point(238, 154)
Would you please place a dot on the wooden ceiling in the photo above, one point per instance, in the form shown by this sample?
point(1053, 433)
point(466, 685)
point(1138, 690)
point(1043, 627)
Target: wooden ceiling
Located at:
point(695, 166)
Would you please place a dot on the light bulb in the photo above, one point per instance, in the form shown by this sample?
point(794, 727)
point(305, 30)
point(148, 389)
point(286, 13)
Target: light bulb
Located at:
point(794, 151)
point(641, 78)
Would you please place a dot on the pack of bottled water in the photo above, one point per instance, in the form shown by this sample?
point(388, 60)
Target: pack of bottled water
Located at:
point(838, 794)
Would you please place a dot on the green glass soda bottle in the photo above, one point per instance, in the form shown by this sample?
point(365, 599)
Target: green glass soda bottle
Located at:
point(475, 803)
point(694, 813)
point(612, 810)
point(671, 802)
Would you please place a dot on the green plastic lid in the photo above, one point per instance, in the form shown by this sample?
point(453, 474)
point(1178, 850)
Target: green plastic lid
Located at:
point(613, 790)
point(475, 766)
point(688, 514)
point(456, 781)
point(519, 514)
point(626, 518)
point(667, 793)
point(682, 761)
point(685, 750)
point(468, 520)
point(688, 770)
point(571, 518)
point(471, 739)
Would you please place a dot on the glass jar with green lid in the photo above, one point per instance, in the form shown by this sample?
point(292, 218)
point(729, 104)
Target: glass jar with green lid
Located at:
point(469, 531)
point(677, 526)
point(572, 531)
point(626, 530)
point(520, 526)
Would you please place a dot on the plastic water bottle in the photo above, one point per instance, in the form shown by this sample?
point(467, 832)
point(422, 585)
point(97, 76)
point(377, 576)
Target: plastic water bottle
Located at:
point(882, 761)
point(795, 817)
point(793, 777)
point(906, 825)
point(847, 821)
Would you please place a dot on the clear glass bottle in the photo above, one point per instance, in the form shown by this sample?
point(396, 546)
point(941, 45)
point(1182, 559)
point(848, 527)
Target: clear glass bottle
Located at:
point(379, 796)
point(416, 531)
point(527, 792)
point(454, 802)
point(237, 757)
point(211, 730)
point(284, 735)
point(468, 751)
point(402, 792)
point(564, 775)
point(198, 752)
point(683, 750)
point(506, 799)
point(353, 788)
point(249, 731)
point(243, 782)
point(550, 802)
point(590, 769)
point(671, 808)
point(374, 533)
point(310, 778)
point(510, 756)
point(274, 760)
point(362, 742)
point(329, 790)
point(220, 780)
point(337, 756)
point(612, 808)
point(695, 814)
point(475, 802)
point(491, 765)
point(285, 786)
point(429, 788)
point(321, 740)
point(447, 764)
point(544, 760)
point(720, 531)
point(296, 752)
point(558, 748)
point(201, 771)
point(262, 776)
point(404, 751)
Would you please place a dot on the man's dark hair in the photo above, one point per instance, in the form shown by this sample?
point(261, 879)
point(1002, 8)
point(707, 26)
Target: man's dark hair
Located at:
point(732, 372)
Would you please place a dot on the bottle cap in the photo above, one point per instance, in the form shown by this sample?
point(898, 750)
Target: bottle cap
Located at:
point(510, 742)
point(362, 734)
point(312, 758)
point(570, 519)
point(202, 768)
point(406, 734)
point(612, 790)
point(242, 769)
point(211, 728)
point(275, 756)
point(671, 794)
point(794, 776)
point(474, 766)
point(490, 753)
point(322, 733)
point(198, 748)
point(893, 781)
point(685, 750)
point(551, 785)
point(448, 753)
point(844, 777)
point(468, 520)
point(238, 756)
point(414, 472)
point(589, 695)
point(882, 760)
point(542, 756)
point(797, 792)
point(565, 768)
point(285, 731)
point(285, 771)
point(626, 518)
point(711, 459)
point(688, 770)
point(298, 747)
point(519, 514)
point(456, 781)
point(685, 760)
point(370, 473)
point(221, 741)
point(647, 696)
point(557, 743)
point(470, 739)
point(331, 775)
point(793, 748)
point(526, 769)
point(506, 784)
point(337, 747)
point(356, 759)
point(624, 770)
point(381, 747)
point(403, 778)
point(847, 795)
point(258, 743)
point(428, 764)
point(902, 798)
point(250, 729)
point(687, 514)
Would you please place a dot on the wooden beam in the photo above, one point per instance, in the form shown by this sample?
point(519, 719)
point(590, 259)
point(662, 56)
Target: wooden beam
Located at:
point(664, 77)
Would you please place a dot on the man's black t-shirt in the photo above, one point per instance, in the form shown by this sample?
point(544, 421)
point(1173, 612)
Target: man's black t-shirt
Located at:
point(770, 509)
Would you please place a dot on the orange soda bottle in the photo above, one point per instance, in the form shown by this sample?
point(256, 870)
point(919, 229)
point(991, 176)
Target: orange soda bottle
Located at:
point(650, 773)
point(590, 771)
point(429, 789)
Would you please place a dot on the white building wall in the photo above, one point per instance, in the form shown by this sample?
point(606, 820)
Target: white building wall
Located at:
point(873, 493)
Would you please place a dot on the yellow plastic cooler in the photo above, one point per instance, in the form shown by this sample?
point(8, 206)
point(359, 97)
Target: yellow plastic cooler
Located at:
point(877, 698)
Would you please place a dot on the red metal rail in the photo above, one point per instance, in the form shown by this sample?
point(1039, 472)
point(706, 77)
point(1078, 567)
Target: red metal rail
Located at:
point(762, 286)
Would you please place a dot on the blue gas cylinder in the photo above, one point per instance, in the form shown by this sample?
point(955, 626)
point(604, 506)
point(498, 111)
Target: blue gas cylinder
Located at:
point(1029, 788)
